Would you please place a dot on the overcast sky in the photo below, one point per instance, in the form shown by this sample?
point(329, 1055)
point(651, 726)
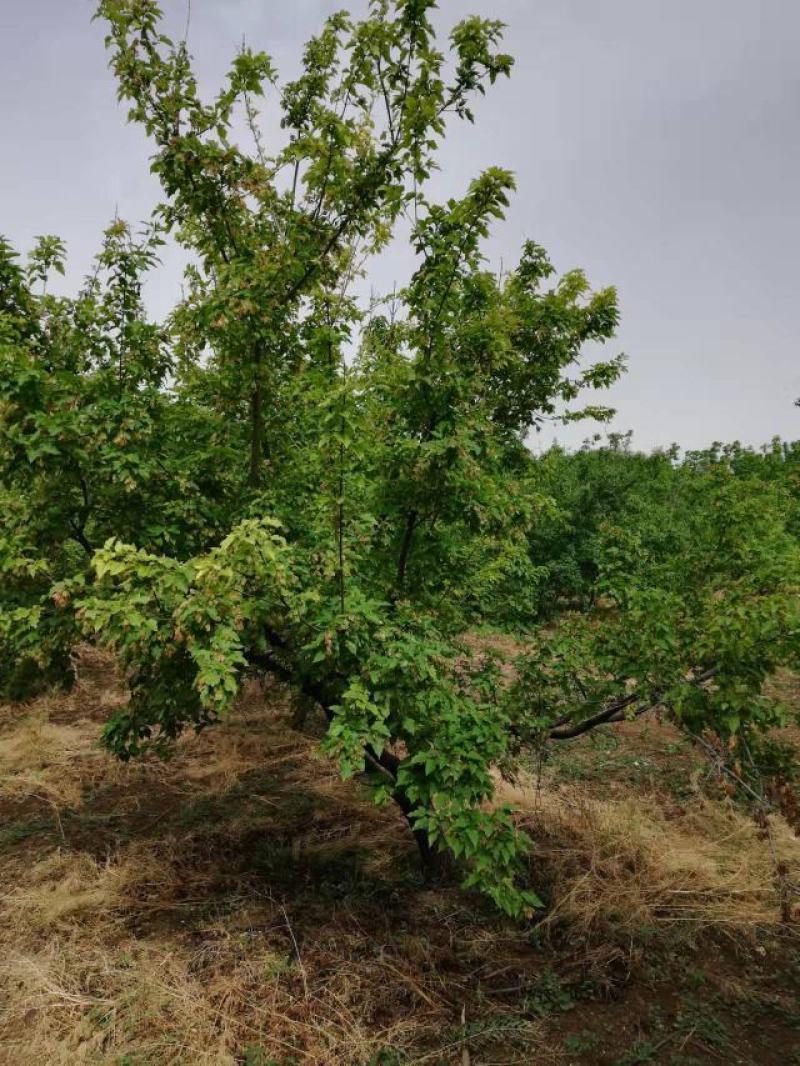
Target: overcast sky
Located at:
point(656, 144)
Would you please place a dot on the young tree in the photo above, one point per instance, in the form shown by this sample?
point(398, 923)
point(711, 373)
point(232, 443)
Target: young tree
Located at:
point(327, 493)
point(92, 443)
point(694, 571)
point(383, 500)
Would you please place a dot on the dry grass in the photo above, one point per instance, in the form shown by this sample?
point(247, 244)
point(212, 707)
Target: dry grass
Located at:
point(623, 865)
point(48, 747)
point(242, 896)
point(80, 988)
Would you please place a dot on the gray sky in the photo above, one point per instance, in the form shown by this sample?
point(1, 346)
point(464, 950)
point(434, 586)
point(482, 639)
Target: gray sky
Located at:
point(656, 144)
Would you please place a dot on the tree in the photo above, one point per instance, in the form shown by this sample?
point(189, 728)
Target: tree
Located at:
point(693, 567)
point(92, 443)
point(281, 480)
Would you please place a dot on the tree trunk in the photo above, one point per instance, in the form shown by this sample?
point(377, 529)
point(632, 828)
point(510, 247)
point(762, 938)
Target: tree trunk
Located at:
point(405, 548)
point(256, 422)
point(256, 435)
point(436, 865)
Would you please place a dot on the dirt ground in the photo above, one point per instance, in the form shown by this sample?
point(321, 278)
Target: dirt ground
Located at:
point(240, 904)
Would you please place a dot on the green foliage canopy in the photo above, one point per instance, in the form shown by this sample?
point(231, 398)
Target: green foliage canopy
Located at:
point(279, 479)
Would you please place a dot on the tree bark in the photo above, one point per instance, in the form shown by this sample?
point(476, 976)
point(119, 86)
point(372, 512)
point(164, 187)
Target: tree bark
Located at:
point(256, 422)
point(256, 437)
point(436, 864)
point(405, 548)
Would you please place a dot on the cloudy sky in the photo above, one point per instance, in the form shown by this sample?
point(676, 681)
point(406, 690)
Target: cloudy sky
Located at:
point(656, 144)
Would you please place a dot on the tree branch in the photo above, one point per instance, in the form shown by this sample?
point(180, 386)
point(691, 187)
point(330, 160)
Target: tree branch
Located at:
point(614, 712)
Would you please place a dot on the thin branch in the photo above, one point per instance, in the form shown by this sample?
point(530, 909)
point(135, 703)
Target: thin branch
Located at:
point(188, 21)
